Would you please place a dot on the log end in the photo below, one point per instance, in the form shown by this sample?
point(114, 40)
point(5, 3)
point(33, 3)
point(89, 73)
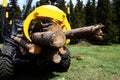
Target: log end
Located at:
point(35, 50)
point(62, 50)
point(56, 58)
point(58, 39)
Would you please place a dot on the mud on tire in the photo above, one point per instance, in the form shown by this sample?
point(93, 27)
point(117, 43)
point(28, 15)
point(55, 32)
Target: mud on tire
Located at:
point(6, 64)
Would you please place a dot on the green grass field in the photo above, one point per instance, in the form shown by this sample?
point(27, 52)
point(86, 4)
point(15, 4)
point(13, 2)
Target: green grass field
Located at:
point(99, 63)
point(1, 45)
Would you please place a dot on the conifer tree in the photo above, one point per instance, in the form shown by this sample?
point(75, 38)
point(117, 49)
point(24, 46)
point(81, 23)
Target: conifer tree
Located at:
point(14, 9)
point(104, 12)
point(70, 4)
point(79, 20)
point(105, 16)
point(116, 10)
point(61, 5)
point(90, 12)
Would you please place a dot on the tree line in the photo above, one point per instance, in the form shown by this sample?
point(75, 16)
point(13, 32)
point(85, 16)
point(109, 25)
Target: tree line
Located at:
point(106, 12)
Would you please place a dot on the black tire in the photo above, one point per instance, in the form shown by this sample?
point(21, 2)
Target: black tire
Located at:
point(0, 38)
point(6, 64)
point(64, 65)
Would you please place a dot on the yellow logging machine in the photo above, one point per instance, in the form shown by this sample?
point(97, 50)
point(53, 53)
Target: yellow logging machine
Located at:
point(38, 37)
point(40, 33)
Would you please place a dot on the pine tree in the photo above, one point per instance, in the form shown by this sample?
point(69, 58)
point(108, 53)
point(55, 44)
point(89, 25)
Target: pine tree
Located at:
point(61, 5)
point(70, 4)
point(116, 10)
point(104, 12)
point(14, 9)
point(105, 16)
point(43, 2)
point(90, 12)
point(79, 20)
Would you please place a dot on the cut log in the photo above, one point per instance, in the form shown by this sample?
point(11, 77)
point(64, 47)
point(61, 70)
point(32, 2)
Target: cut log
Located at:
point(62, 50)
point(85, 32)
point(53, 54)
point(32, 48)
point(54, 27)
point(56, 58)
point(20, 35)
point(55, 39)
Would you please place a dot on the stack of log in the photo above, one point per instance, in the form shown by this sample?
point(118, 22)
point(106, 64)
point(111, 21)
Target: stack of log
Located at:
point(54, 37)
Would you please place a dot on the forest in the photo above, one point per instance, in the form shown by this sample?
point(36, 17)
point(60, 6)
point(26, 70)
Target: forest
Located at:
point(106, 12)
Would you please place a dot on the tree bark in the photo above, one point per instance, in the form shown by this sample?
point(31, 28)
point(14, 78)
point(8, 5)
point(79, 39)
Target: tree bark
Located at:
point(85, 32)
point(55, 39)
point(30, 47)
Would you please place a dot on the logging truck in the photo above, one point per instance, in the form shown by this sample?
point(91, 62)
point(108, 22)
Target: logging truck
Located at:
point(39, 38)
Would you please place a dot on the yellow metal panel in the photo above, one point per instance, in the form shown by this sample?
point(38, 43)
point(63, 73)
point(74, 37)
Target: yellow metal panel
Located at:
point(10, 22)
point(4, 3)
point(7, 14)
point(68, 10)
point(26, 25)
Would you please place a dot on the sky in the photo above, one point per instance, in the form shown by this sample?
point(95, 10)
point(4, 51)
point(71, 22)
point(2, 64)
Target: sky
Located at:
point(21, 2)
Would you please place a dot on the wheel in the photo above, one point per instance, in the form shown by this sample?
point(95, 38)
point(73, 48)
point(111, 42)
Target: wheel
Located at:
point(0, 38)
point(64, 65)
point(6, 64)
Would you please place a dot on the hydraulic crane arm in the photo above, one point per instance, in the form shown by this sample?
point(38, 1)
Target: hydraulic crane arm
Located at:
point(4, 4)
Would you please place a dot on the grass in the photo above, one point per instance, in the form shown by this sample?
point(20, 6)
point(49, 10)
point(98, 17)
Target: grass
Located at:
point(1, 45)
point(99, 63)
